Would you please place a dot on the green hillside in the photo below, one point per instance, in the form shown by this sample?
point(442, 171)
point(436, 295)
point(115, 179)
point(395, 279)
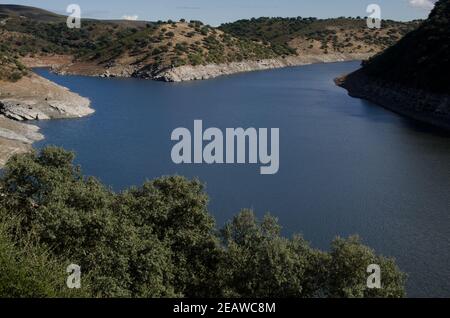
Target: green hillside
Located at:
point(333, 35)
point(160, 44)
point(422, 58)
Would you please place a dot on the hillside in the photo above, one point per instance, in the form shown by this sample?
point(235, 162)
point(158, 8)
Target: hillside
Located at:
point(411, 77)
point(146, 49)
point(310, 35)
point(145, 52)
point(421, 59)
point(18, 11)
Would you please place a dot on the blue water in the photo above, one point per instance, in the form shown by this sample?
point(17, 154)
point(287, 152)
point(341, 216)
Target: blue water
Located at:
point(346, 166)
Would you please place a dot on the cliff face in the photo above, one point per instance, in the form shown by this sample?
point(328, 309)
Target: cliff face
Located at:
point(411, 77)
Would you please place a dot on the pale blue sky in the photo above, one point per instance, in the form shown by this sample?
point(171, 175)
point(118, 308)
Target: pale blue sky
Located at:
point(215, 12)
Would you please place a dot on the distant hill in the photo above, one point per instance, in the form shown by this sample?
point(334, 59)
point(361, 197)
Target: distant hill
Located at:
point(17, 11)
point(411, 77)
point(135, 48)
point(103, 44)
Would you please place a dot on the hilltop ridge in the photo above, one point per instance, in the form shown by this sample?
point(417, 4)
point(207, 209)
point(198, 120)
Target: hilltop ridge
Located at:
point(17, 11)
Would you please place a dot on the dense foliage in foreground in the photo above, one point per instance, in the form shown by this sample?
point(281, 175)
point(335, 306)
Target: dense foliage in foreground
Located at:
point(158, 240)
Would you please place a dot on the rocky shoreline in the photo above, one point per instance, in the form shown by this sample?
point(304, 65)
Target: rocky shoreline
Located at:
point(204, 72)
point(200, 72)
point(33, 98)
point(420, 105)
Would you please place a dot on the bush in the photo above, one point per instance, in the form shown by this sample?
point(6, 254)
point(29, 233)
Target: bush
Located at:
point(15, 76)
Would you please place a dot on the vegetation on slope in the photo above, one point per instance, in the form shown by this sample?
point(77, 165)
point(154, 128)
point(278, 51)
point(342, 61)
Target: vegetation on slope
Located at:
point(160, 43)
point(422, 58)
point(175, 44)
point(158, 240)
point(303, 35)
point(10, 67)
point(153, 46)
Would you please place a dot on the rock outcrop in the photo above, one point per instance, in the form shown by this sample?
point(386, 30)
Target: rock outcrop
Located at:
point(33, 98)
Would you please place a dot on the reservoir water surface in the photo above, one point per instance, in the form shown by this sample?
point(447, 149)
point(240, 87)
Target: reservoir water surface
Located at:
point(346, 166)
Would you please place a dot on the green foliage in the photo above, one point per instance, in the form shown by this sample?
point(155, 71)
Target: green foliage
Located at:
point(278, 32)
point(421, 59)
point(195, 59)
point(258, 262)
point(127, 241)
point(158, 240)
point(347, 271)
point(10, 67)
point(28, 270)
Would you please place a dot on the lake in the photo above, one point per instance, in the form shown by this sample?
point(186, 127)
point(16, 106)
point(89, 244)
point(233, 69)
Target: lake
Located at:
point(347, 166)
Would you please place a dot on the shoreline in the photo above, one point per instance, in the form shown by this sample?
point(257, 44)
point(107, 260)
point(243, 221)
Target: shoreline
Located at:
point(210, 71)
point(60, 65)
point(423, 106)
point(33, 98)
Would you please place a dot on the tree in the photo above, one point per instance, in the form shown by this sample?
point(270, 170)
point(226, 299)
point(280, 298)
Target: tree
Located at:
point(258, 262)
point(347, 271)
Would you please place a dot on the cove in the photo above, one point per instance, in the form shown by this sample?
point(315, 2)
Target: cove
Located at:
point(347, 166)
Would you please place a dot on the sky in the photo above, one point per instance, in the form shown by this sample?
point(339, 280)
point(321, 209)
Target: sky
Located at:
point(215, 12)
